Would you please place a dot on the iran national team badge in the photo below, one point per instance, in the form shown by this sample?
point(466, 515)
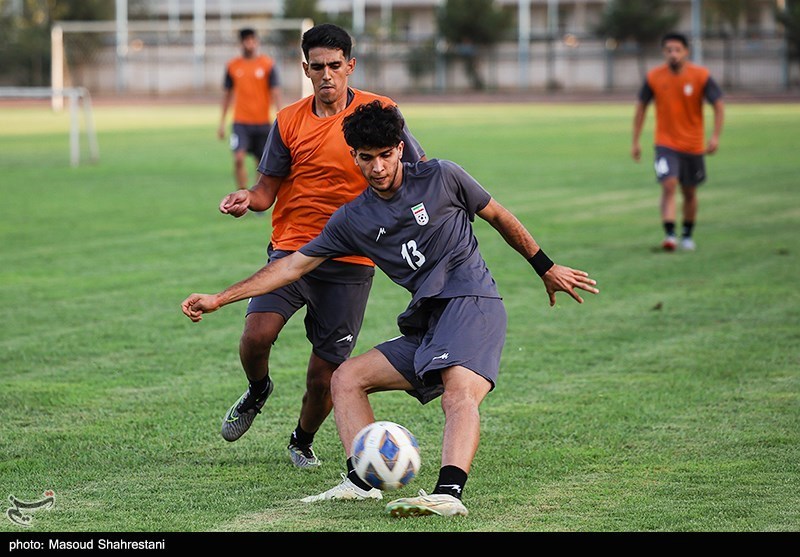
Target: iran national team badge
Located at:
point(420, 214)
point(688, 89)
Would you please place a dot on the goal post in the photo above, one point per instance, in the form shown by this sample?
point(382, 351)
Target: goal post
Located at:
point(79, 101)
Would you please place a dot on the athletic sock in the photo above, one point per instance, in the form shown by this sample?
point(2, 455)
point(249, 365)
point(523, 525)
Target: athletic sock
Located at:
point(669, 228)
point(301, 437)
point(259, 387)
point(353, 477)
point(688, 227)
point(451, 481)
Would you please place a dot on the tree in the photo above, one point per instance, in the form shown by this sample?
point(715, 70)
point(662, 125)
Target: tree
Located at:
point(468, 25)
point(25, 28)
point(642, 21)
point(790, 19)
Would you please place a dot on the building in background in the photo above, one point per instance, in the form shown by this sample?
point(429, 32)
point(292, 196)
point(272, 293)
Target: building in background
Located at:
point(176, 47)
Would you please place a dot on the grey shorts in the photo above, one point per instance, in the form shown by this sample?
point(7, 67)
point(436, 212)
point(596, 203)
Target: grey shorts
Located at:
point(688, 168)
point(249, 137)
point(334, 310)
point(467, 331)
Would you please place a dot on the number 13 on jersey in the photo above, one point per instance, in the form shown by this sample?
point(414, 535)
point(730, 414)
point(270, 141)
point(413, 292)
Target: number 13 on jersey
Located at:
point(412, 256)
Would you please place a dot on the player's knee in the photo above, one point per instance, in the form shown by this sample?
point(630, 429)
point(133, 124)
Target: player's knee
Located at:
point(348, 378)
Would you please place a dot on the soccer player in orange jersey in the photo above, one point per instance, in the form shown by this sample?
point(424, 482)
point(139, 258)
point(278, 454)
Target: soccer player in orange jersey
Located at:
point(307, 172)
point(252, 85)
point(679, 89)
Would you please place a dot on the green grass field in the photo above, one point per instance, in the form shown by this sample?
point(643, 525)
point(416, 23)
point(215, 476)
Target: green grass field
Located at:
point(668, 402)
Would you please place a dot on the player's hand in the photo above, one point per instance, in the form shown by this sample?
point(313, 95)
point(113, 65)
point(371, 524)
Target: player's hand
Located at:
point(636, 152)
point(713, 145)
point(221, 131)
point(563, 279)
point(235, 204)
point(197, 304)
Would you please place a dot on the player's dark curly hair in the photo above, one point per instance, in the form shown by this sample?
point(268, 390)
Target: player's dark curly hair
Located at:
point(373, 125)
point(675, 37)
point(327, 35)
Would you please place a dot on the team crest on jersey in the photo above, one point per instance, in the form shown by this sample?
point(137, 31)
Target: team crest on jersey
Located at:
point(420, 214)
point(688, 89)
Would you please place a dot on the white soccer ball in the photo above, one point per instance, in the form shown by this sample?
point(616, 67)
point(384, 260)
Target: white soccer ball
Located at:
point(386, 455)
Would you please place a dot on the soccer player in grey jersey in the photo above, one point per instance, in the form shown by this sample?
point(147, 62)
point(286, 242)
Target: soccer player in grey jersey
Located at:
point(414, 222)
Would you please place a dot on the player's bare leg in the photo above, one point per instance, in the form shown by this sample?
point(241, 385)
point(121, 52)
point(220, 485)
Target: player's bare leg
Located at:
point(315, 408)
point(464, 390)
point(260, 332)
point(690, 203)
point(669, 187)
point(350, 386)
point(240, 169)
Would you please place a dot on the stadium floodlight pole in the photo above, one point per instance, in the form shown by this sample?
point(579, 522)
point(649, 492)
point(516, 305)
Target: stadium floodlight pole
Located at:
point(122, 43)
point(524, 43)
point(199, 35)
point(552, 31)
point(359, 9)
point(697, 33)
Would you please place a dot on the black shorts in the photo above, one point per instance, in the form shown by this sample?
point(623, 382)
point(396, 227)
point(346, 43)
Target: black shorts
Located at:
point(334, 310)
point(688, 168)
point(468, 331)
point(249, 137)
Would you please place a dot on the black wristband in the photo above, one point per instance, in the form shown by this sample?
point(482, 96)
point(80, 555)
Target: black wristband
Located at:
point(540, 263)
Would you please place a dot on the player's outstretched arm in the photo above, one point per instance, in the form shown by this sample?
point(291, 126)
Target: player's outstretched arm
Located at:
point(270, 277)
point(258, 198)
point(557, 278)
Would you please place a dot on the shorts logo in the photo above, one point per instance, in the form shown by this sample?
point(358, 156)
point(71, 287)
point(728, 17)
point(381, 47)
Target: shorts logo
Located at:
point(381, 232)
point(662, 167)
point(442, 356)
point(688, 89)
point(420, 214)
point(348, 338)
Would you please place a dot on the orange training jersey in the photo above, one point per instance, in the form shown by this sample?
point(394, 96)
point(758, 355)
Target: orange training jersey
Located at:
point(323, 174)
point(250, 79)
point(679, 107)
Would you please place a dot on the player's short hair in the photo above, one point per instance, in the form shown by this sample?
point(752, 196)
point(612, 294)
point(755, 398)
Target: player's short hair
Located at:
point(675, 37)
point(327, 35)
point(374, 126)
point(246, 32)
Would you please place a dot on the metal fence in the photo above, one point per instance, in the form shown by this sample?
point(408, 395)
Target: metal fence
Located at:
point(160, 63)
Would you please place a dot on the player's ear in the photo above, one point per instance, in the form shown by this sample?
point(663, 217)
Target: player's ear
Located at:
point(305, 69)
point(351, 65)
point(400, 148)
point(353, 154)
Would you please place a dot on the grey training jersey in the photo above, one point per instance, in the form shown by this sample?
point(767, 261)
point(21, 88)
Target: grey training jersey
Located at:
point(421, 238)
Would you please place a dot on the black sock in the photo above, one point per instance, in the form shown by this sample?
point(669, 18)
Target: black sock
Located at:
point(353, 477)
point(301, 437)
point(258, 387)
point(451, 481)
point(688, 227)
point(669, 228)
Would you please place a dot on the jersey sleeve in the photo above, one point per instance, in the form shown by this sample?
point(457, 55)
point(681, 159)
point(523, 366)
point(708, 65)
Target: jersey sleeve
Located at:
point(274, 78)
point(712, 91)
point(333, 240)
point(465, 190)
point(227, 82)
point(645, 93)
point(276, 159)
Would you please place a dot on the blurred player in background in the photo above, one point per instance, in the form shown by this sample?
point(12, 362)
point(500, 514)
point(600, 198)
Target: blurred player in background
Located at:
point(307, 173)
point(252, 84)
point(414, 221)
point(679, 88)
